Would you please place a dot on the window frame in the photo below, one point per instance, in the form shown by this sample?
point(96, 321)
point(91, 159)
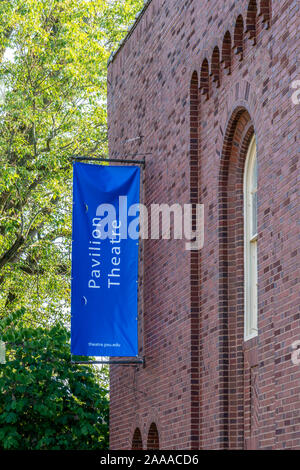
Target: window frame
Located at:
point(250, 244)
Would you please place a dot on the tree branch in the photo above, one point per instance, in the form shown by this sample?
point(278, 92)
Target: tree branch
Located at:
point(9, 254)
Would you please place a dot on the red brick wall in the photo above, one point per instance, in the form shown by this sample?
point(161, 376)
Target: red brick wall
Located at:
point(203, 386)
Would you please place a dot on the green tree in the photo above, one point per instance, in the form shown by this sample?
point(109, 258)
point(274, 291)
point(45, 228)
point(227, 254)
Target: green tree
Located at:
point(53, 105)
point(53, 59)
point(46, 403)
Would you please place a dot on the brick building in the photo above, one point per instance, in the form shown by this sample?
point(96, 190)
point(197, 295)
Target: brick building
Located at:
point(207, 85)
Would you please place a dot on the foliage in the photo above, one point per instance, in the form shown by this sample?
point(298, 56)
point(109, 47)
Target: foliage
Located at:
point(53, 57)
point(46, 402)
point(53, 105)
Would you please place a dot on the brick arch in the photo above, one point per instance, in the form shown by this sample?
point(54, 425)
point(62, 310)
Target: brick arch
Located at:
point(215, 66)
point(137, 442)
point(266, 12)
point(204, 78)
point(237, 138)
point(227, 52)
point(238, 37)
point(153, 438)
point(251, 21)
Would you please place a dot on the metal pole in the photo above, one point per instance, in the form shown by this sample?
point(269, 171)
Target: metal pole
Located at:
point(138, 360)
point(111, 160)
point(141, 273)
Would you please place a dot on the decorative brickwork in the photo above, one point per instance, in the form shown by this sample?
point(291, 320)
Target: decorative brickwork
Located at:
point(251, 23)
point(197, 80)
point(238, 45)
point(227, 53)
point(195, 260)
point(153, 438)
point(137, 442)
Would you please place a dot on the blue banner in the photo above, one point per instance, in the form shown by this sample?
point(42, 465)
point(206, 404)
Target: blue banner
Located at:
point(105, 260)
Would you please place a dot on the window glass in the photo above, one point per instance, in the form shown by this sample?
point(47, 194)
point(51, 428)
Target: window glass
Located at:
point(250, 241)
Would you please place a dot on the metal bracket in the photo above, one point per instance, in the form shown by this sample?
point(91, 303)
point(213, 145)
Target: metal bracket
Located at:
point(128, 362)
point(113, 160)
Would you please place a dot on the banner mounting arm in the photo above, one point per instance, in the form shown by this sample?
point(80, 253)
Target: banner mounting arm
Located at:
point(136, 361)
point(113, 160)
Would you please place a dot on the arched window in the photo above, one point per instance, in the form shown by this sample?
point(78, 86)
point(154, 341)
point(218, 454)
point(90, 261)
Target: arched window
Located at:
point(250, 238)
